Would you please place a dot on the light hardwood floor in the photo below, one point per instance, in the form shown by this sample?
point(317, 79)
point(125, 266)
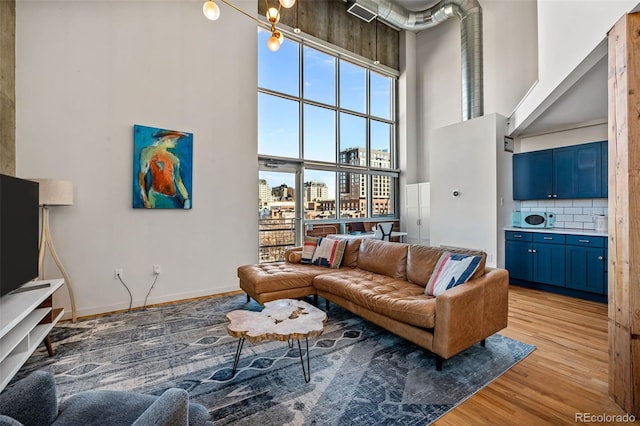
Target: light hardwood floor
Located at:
point(565, 375)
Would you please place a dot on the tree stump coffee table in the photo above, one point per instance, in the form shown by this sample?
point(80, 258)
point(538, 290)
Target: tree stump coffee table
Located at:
point(283, 320)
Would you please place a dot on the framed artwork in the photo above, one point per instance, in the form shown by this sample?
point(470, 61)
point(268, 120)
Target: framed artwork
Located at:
point(162, 168)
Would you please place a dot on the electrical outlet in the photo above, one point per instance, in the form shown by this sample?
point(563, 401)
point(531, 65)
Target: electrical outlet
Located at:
point(117, 274)
point(156, 269)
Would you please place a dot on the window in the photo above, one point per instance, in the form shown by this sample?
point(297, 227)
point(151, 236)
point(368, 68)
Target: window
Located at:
point(319, 130)
point(335, 116)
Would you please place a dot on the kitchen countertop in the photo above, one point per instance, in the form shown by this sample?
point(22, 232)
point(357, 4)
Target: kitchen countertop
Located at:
point(568, 231)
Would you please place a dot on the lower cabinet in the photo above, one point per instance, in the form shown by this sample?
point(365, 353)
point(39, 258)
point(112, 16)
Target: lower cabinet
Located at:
point(586, 260)
point(536, 257)
point(560, 261)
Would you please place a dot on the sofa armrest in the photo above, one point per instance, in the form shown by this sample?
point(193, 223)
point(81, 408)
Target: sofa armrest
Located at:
point(293, 255)
point(471, 312)
point(171, 408)
point(38, 389)
point(8, 421)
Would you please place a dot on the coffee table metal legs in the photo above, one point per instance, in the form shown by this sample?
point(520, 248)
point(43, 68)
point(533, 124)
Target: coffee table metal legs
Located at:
point(306, 372)
point(237, 357)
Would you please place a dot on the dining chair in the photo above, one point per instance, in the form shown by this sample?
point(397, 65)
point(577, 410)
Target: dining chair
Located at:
point(383, 231)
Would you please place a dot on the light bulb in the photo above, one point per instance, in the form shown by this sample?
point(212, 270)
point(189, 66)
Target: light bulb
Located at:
point(273, 15)
point(211, 10)
point(287, 3)
point(273, 44)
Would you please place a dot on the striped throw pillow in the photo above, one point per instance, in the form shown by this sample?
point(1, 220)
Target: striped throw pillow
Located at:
point(308, 248)
point(329, 252)
point(451, 270)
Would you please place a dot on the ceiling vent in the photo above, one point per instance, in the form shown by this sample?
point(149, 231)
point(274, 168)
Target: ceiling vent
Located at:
point(363, 9)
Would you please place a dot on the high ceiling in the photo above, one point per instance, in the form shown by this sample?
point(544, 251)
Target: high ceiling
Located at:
point(416, 5)
point(583, 103)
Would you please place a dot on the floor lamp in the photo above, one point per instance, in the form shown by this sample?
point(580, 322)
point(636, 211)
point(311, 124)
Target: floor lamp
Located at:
point(54, 192)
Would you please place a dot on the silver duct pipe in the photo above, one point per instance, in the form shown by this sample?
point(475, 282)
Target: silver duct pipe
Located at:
point(470, 14)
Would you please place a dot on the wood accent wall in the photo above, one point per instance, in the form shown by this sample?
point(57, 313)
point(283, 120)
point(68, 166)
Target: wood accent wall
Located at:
point(8, 87)
point(624, 213)
point(329, 20)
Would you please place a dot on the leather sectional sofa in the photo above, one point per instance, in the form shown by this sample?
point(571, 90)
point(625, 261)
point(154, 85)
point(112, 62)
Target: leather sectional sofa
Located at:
point(384, 283)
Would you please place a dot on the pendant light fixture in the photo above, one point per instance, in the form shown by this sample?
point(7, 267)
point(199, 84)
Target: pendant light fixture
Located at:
point(212, 12)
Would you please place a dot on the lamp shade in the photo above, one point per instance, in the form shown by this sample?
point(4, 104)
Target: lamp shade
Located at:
point(54, 192)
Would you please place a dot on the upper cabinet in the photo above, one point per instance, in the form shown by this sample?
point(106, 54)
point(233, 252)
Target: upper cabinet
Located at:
point(605, 169)
point(532, 175)
point(577, 171)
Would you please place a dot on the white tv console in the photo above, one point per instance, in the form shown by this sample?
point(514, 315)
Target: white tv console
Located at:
point(26, 318)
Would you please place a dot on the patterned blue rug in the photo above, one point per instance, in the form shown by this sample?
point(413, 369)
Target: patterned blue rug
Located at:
point(360, 373)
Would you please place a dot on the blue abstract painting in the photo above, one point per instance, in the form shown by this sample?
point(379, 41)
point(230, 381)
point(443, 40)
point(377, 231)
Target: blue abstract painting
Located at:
point(162, 168)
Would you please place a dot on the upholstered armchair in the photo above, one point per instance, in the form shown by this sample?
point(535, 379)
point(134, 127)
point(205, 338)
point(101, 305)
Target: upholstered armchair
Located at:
point(33, 402)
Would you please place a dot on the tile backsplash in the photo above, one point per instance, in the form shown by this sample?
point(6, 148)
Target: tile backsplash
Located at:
point(574, 214)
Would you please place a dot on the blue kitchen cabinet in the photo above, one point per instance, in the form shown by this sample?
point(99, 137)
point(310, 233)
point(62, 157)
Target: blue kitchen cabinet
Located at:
point(575, 265)
point(577, 171)
point(535, 257)
point(532, 175)
point(518, 260)
point(571, 172)
point(605, 168)
point(549, 259)
point(586, 258)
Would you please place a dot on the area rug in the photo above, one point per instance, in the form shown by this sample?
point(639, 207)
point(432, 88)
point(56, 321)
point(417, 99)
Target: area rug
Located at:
point(360, 373)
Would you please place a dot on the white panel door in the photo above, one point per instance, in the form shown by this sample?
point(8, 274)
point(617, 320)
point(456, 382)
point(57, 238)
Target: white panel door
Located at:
point(425, 213)
point(417, 205)
point(412, 207)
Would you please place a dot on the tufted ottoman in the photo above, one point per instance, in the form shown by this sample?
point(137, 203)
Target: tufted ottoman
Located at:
point(272, 281)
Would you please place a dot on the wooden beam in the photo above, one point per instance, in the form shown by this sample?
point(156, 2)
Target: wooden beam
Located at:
point(624, 213)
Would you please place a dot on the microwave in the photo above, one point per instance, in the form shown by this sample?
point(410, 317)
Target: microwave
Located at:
point(532, 219)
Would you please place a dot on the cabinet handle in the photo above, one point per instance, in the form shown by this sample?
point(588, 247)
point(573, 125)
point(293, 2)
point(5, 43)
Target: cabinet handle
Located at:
point(583, 241)
point(549, 196)
point(600, 258)
point(555, 195)
point(517, 236)
point(533, 251)
point(529, 251)
point(547, 238)
point(419, 222)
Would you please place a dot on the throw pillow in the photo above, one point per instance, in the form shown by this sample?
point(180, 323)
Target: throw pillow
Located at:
point(451, 270)
point(329, 252)
point(308, 249)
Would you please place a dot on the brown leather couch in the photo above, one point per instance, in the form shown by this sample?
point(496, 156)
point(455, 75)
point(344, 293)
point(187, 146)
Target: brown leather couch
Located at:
point(384, 283)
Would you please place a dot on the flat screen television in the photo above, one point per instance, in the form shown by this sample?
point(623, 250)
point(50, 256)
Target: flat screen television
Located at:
point(19, 227)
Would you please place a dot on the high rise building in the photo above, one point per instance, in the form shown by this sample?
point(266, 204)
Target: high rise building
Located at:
point(354, 185)
point(264, 194)
point(315, 191)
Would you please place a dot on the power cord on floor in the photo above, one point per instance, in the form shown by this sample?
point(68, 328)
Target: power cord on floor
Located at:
point(130, 296)
point(149, 292)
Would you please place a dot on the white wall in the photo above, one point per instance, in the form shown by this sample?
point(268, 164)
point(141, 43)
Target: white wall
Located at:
point(568, 31)
point(564, 138)
point(86, 72)
point(469, 157)
point(510, 68)
point(406, 152)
